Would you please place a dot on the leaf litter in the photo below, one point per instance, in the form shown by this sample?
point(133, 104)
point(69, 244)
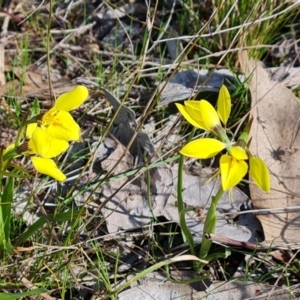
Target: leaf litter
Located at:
point(275, 129)
point(133, 206)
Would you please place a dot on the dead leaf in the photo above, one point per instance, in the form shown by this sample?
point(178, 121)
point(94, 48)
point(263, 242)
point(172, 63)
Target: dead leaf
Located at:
point(280, 255)
point(186, 84)
point(30, 286)
point(33, 82)
point(275, 139)
point(130, 207)
point(2, 65)
point(153, 286)
point(125, 128)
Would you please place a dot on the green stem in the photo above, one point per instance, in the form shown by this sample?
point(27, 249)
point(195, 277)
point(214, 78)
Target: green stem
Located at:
point(186, 234)
point(6, 200)
point(180, 204)
point(210, 224)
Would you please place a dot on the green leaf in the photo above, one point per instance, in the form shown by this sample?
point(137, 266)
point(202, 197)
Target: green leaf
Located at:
point(210, 224)
point(243, 138)
point(37, 225)
point(10, 154)
point(216, 255)
point(8, 296)
point(185, 230)
point(155, 267)
point(5, 215)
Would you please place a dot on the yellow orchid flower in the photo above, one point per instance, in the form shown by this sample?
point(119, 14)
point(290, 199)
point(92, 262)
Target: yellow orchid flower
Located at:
point(233, 165)
point(201, 114)
point(44, 147)
point(58, 122)
point(50, 136)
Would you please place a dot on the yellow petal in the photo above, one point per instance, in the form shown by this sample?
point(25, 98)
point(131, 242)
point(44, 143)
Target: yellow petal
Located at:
point(31, 147)
point(193, 109)
point(45, 145)
point(72, 99)
point(48, 167)
point(30, 129)
point(238, 152)
point(202, 148)
point(224, 104)
point(62, 126)
point(232, 171)
point(259, 173)
point(193, 104)
point(209, 116)
point(187, 116)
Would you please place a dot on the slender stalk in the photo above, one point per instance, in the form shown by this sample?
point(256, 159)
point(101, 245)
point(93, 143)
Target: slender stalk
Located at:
point(210, 224)
point(180, 204)
point(48, 46)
